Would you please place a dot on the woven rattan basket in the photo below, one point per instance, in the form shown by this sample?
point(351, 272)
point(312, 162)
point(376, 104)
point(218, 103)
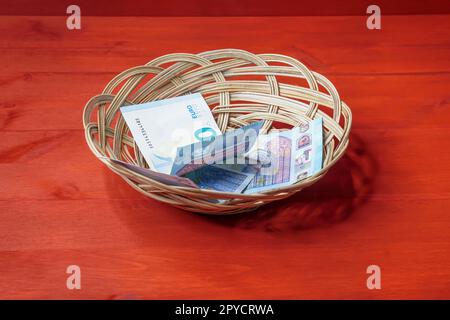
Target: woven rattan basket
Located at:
point(241, 88)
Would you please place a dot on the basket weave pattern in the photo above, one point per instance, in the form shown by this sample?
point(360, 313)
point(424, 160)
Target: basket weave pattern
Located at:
point(241, 88)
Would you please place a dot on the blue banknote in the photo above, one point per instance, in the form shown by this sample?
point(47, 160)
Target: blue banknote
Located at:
point(220, 179)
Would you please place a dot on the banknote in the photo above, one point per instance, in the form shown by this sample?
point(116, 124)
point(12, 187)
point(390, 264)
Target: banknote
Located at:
point(160, 127)
point(284, 157)
point(308, 149)
point(230, 147)
point(220, 178)
point(160, 177)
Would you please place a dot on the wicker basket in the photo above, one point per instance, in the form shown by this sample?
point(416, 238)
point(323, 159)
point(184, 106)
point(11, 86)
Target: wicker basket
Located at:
point(241, 88)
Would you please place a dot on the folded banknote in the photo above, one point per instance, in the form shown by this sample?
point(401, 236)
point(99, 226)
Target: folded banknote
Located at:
point(160, 127)
point(208, 177)
point(230, 147)
point(220, 179)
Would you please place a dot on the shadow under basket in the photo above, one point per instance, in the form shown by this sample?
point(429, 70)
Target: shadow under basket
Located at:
point(240, 87)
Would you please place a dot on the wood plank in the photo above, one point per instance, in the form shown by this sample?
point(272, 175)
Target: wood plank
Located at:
point(405, 44)
point(136, 223)
point(58, 165)
point(56, 101)
point(106, 273)
point(228, 8)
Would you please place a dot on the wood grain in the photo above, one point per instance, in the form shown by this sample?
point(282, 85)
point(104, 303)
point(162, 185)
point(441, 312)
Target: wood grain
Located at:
point(386, 202)
point(222, 8)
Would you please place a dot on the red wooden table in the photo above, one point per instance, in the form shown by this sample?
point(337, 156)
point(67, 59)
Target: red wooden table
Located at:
point(385, 203)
